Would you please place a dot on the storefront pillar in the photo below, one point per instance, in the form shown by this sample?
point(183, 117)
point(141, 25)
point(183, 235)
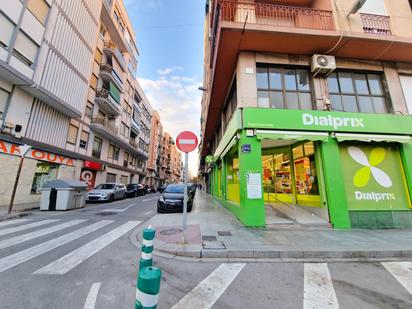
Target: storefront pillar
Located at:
point(406, 157)
point(224, 178)
point(252, 212)
point(335, 186)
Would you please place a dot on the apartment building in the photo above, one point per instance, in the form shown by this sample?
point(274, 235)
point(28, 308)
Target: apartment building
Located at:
point(155, 170)
point(307, 109)
point(173, 160)
point(69, 98)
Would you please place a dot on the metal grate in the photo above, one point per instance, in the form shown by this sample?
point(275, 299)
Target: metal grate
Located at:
point(224, 233)
point(209, 238)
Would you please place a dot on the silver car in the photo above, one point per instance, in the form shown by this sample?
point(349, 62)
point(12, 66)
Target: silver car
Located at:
point(107, 192)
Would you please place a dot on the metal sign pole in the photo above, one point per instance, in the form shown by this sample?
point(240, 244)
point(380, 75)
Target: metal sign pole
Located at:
point(185, 196)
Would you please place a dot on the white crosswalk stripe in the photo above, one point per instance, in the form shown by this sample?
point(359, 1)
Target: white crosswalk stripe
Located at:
point(207, 292)
point(32, 252)
point(402, 271)
point(26, 226)
point(76, 257)
point(29, 236)
point(318, 287)
point(10, 222)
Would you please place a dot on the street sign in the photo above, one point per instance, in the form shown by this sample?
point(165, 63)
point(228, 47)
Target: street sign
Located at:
point(186, 141)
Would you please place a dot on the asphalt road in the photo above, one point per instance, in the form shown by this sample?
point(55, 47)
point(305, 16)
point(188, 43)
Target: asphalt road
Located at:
point(85, 259)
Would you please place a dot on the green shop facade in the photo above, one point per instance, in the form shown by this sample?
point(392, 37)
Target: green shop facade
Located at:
point(353, 170)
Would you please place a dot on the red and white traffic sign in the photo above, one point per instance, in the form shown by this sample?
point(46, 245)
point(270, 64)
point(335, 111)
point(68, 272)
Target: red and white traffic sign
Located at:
point(186, 141)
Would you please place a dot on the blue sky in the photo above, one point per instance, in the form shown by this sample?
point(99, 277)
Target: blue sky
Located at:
point(170, 41)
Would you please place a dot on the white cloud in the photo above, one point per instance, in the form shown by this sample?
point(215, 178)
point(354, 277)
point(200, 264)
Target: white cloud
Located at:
point(177, 99)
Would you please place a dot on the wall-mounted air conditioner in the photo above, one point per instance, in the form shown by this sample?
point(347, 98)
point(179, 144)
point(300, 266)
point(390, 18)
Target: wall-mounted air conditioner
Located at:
point(323, 65)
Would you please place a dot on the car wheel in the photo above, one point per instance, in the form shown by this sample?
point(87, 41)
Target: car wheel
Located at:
point(111, 199)
point(124, 196)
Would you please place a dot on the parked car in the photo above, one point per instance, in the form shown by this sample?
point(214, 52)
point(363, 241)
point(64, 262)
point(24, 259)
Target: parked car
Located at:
point(161, 188)
point(147, 189)
point(135, 189)
point(153, 189)
point(171, 199)
point(107, 192)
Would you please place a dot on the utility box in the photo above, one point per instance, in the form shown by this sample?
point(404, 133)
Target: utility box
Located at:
point(63, 195)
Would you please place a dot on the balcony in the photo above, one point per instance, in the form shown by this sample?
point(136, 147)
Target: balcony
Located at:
point(108, 74)
point(135, 126)
point(109, 47)
point(107, 129)
point(376, 24)
point(107, 102)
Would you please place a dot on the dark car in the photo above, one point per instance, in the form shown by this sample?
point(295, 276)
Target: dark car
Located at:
point(171, 199)
point(153, 189)
point(161, 188)
point(135, 189)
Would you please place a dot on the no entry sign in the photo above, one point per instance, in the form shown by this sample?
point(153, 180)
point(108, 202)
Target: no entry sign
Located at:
point(186, 141)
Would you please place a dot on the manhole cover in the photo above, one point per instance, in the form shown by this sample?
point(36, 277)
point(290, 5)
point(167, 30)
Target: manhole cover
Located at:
point(224, 233)
point(213, 245)
point(169, 232)
point(106, 213)
point(209, 238)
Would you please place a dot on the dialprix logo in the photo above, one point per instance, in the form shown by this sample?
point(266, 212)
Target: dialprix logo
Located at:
point(363, 175)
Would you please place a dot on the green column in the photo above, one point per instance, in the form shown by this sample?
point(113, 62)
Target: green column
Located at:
point(252, 212)
point(335, 186)
point(406, 156)
point(224, 179)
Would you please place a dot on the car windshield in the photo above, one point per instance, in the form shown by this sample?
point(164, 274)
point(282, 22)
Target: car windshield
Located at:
point(175, 189)
point(131, 186)
point(105, 186)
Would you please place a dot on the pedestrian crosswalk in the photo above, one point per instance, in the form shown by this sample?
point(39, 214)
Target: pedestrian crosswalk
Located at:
point(68, 232)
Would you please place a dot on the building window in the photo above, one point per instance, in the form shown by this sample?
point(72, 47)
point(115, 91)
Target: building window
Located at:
point(102, 32)
point(93, 82)
point(111, 178)
point(3, 101)
point(84, 139)
point(89, 110)
point(97, 147)
point(72, 136)
point(25, 49)
point(44, 173)
point(283, 88)
point(39, 9)
point(6, 31)
point(114, 152)
point(357, 92)
point(98, 56)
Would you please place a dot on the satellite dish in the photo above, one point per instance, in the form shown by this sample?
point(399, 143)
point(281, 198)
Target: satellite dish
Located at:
point(357, 6)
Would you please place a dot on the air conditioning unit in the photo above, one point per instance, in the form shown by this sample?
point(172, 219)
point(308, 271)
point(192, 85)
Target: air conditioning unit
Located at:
point(323, 65)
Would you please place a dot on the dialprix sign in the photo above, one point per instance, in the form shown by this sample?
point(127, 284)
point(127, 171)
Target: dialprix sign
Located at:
point(269, 118)
point(373, 177)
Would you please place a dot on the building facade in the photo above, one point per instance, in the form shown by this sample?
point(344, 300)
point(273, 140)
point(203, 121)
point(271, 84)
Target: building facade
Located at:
point(68, 90)
point(308, 113)
point(173, 160)
point(155, 171)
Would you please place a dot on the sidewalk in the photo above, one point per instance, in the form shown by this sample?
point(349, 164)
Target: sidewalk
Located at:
point(213, 232)
point(19, 210)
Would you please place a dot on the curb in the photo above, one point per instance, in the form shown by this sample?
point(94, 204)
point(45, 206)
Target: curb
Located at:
point(15, 215)
point(202, 255)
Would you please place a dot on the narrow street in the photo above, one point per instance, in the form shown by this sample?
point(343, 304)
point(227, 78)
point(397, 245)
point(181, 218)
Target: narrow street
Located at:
point(86, 259)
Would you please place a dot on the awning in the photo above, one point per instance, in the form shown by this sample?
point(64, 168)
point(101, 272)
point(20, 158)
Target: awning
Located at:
point(341, 137)
point(229, 146)
point(292, 135)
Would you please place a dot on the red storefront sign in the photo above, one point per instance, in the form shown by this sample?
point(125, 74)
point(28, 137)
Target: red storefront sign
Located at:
point(95, 166)
point(89, 177)
point(13, 149)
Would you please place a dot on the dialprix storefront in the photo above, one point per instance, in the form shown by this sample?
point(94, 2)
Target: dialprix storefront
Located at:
point(352, 169)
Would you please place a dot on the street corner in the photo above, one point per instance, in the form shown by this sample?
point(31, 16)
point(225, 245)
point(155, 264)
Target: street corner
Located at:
point(174, 235)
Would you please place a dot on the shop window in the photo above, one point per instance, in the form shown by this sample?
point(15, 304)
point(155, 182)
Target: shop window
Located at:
point(72, 135)
point(84, 140)
point(357, 92)
point(3, 101)
point(305, 169)
point(44, 173)
point(25, 49)
point(283, 88)
point(6, 31)
point(39, 9)
point(97, 147)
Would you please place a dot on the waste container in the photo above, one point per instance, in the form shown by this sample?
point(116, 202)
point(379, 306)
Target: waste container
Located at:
point(63, 195)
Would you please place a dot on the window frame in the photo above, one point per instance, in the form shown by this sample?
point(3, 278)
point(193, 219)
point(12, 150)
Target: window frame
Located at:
point(283, 69)
point(68, 135)
point(357, 95)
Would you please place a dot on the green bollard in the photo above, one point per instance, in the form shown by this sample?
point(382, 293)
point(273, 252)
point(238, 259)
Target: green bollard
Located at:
point(147, 248)
point(148, 287)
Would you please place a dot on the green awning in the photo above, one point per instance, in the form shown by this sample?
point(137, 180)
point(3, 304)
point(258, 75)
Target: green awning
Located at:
point(229, 146)
point(342, 137)
point(292, 135)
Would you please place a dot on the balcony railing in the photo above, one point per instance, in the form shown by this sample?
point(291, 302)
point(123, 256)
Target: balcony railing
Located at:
point(104, 122)
point(109, 46)
point(376, 24)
